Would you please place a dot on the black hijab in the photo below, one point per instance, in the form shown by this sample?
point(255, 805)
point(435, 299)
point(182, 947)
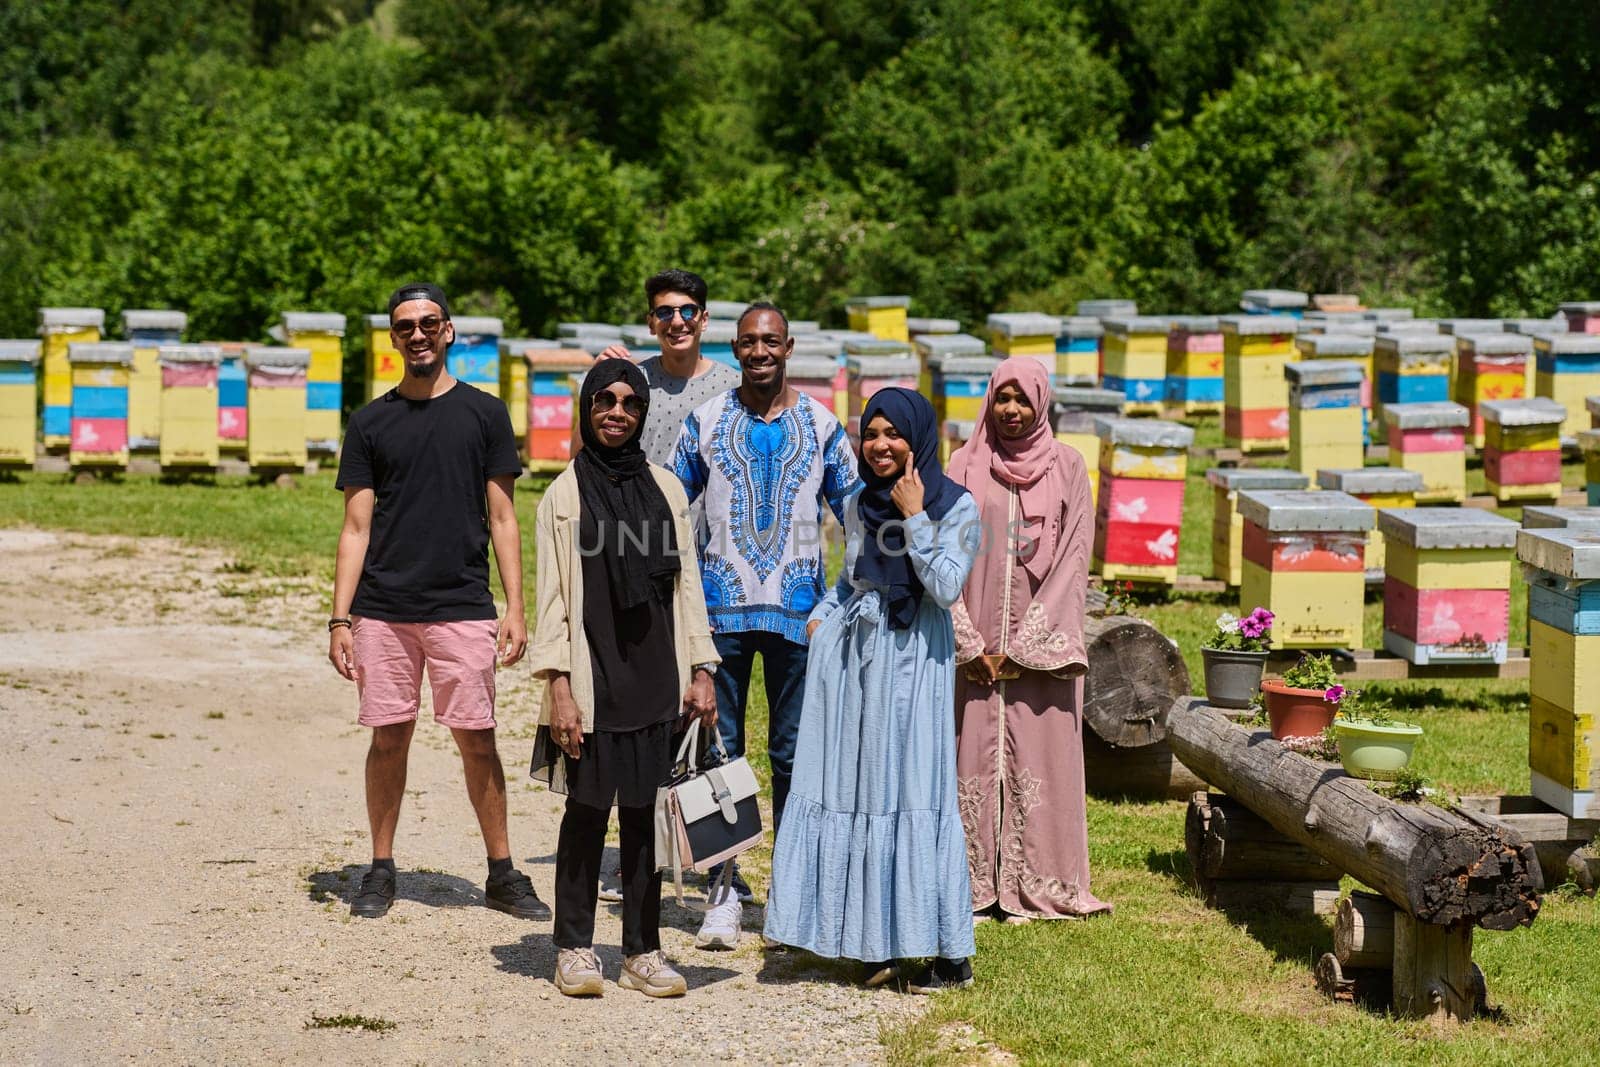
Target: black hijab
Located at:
point(618, 494)
point(884, 560)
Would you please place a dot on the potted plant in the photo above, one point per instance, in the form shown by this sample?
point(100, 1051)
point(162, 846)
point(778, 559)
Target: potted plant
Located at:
point(1234, 657)
point(1303, 702)
point(1372, 744)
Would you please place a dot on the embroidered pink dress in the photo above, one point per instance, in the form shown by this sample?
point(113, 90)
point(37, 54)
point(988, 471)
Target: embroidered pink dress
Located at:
point(1019, 743)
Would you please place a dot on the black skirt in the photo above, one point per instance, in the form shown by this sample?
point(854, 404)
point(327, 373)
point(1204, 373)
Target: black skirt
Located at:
point(614, 768)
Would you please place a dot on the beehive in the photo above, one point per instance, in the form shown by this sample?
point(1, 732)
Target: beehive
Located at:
point(1078, 351)
point(961, 385)
point(1074, 410)
point(1136, 362)
point(552, 411)
point(608, 331)
point(1567, 370)
point(1522, 448)
point(1447, 584)
point(925, 327)
point(730, 310)
point(640, 341)
point(884, 317)
point(1564, 672)
point(957, 432)
point(1431, 439)
point(1348, 346)
point(1552, 517)
point(1533, 328)
point(1382, 487)
point(873, 366)
point(147, 331)
point(189, 406)
point(19, 423)
point(1411, 368)
point(1106, 308)
point(1274, 302)
point(1255, 395)
point(1589, 445)
point(814, 376)
point(1337, 322)
point(99, 404)
point(1194, 364)
point(474, 356)
point(276, 437)
point(933, 349)
point(822, 346)
point(320, 333)
point(1139, 509)
point(1227, 525)
point(1303, 556)
point(1388, 314)
point(716, 343)
point(1583, 316)
point(514, 379)
point(1490, 366)
point(385, 367)
point(233, 399)
point(1325, 417)
point(59, 328)
point(1026, 334)
point(1466, 327)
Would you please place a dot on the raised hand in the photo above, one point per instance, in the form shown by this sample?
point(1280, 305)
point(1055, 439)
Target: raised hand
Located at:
point(907, 492)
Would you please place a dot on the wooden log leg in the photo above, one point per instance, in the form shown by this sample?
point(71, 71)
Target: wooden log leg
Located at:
point(1433, 972)
point(1363, 931)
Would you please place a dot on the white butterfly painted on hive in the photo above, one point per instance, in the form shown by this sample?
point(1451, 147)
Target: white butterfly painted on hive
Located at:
point(1165, 546)
point(1130, 510)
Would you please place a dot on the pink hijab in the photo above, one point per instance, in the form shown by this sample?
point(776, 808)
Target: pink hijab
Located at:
point(1031, 463)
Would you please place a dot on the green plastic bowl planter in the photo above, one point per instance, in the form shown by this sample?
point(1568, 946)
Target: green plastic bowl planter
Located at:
point(1375, 752)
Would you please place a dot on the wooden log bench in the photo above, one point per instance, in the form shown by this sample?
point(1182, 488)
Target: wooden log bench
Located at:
point(1239, 862)
point(1445, 871)
point(1568, 848)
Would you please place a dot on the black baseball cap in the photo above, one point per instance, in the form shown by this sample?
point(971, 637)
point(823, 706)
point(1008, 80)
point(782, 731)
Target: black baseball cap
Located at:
point(419, 291)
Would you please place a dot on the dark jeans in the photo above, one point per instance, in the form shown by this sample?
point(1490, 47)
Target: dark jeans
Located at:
point(578, 851)
point(784, 665)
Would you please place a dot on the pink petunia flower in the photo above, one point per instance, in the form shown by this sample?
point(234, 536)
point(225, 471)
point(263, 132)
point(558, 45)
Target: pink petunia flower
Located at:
point(1333, 694)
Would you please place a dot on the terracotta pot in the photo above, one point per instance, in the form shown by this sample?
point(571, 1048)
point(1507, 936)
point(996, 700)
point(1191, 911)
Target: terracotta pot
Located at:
point(1232, 677)
point(1368, 750)
point(1296, 712)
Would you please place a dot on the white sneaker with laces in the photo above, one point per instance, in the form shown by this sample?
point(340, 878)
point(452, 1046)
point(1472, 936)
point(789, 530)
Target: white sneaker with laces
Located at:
point(720, 928)
point(652, 975)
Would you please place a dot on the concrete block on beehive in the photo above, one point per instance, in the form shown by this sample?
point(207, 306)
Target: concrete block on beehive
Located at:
point(1283, 510)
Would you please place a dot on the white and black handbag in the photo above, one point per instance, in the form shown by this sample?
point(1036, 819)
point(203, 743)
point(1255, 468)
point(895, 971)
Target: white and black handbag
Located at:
point(705, 817)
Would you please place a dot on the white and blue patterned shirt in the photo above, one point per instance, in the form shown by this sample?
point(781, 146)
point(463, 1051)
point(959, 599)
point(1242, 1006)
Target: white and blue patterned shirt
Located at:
point(760, 530)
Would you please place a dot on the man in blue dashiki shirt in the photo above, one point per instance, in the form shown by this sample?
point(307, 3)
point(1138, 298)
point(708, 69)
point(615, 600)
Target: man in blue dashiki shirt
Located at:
point(764, 457)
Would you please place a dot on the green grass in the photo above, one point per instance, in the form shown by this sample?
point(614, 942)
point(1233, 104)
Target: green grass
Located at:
point(1162, 981)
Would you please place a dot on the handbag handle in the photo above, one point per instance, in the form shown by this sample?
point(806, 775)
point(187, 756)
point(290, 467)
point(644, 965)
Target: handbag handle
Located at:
point(690, 737)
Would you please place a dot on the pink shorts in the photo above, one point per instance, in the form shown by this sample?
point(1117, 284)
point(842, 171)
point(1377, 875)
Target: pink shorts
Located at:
point(459, 657)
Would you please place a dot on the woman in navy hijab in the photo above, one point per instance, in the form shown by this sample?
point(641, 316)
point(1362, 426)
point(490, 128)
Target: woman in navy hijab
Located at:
point(871, 861)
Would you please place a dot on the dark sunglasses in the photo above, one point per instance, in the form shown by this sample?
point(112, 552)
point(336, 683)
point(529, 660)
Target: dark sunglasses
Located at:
point(634, 405)
point(664, 314)
point(430, 326)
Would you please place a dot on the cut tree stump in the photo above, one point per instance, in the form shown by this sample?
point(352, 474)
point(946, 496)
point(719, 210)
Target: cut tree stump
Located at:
point(1149, 771)
point(1446, 868)
point(1135, 673)
point(1434, 976)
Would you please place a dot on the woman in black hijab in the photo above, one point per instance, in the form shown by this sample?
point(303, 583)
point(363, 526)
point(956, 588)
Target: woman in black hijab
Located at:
point(623, 649)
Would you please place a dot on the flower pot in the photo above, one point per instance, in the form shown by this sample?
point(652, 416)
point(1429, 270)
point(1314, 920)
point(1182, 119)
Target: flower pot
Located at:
point(1371, 751)
point(1296, 712)
point(1232, 677)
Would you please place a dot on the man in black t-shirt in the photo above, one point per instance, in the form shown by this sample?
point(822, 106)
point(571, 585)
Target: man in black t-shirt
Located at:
point(427, 472)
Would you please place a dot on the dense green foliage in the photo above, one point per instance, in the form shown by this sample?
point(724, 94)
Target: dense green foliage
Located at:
point(242, 157)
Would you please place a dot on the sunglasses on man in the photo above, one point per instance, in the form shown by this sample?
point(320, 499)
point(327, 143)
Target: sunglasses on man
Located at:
point(430, 326)
point(634, 405)
point(664, 314)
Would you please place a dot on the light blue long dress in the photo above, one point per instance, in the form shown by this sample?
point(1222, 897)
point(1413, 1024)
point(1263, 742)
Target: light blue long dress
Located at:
point(871, 860)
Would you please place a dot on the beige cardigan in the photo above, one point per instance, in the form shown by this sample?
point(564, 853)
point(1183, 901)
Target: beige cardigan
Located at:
point(559, 645)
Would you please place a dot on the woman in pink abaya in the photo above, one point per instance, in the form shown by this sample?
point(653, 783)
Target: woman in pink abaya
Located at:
point(1020, 659)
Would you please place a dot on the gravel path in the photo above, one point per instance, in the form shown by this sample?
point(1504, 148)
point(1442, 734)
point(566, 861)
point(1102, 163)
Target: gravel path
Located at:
point(184, 820)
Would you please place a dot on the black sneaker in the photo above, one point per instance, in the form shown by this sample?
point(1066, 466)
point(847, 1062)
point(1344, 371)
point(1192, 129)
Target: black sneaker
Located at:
point(513, 894)
point(941, 975)
point(376, 894)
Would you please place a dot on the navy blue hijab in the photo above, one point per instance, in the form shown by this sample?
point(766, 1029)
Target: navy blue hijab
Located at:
point(884, 560)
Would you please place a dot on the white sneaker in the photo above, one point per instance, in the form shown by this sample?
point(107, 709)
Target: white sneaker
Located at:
point(720, 929)
point(611, 887)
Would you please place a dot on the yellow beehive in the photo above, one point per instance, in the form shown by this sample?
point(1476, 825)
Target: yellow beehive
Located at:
point(957, 432)
point(19, 424)
point(189, 406)
point(932, 351)
point(514, 379)
point(1303, 559)
point(1431, 440)
point(385, 366)
point(1522, 448)
point(1410, 367)
point(884, 317)
point(1078, 351)
point(277, 400)
point(321, 333)
point(1380, 487)
point(1227, 526)
point(1255, 350)
point(60, 328)
point(1325, 416)
point(1567, 370)
point(147, 331)
point(1136, 362)
point(1025, 333)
